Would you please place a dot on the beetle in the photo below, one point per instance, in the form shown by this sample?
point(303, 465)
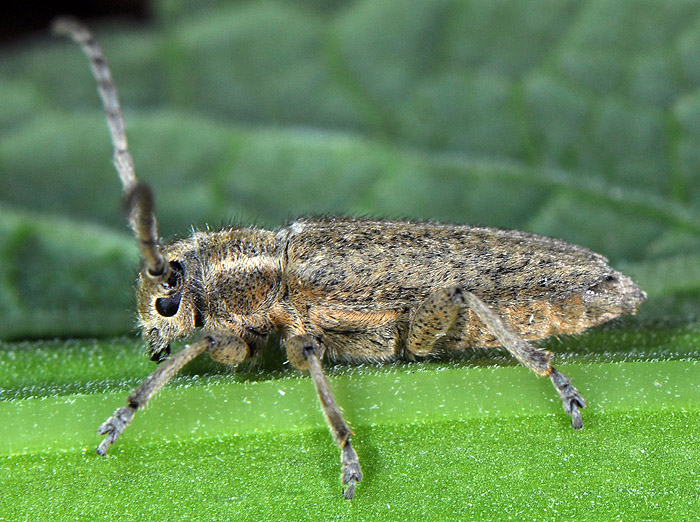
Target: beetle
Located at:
point(353, 290)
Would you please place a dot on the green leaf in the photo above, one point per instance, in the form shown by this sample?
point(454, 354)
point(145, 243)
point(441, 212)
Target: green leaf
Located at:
point(439, 439)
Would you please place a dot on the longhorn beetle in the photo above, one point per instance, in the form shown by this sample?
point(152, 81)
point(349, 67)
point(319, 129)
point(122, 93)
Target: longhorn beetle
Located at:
point(354, 290)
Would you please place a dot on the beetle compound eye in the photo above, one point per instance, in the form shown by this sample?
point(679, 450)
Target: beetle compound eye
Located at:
point(168, 306)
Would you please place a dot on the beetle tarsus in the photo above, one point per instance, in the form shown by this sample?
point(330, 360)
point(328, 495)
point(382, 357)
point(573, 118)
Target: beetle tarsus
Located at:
point(352, 474)
point(113, 427)
point(570, 397)
point(576, 421)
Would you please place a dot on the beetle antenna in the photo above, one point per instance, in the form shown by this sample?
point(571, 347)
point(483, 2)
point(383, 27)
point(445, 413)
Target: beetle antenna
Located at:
point(138, 197)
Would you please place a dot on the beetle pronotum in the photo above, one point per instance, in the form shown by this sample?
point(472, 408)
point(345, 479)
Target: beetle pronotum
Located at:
point(350, 289)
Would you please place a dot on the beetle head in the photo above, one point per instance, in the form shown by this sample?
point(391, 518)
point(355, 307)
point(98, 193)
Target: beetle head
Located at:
point(221, 281)
point(167, 309)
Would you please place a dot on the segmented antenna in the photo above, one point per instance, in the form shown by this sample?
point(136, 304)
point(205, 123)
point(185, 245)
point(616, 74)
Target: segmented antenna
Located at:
point(138, 197)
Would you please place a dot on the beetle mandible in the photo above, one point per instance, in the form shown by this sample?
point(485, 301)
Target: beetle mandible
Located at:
point(354, 290)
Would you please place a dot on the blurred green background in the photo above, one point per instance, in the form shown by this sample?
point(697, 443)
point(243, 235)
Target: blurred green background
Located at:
point(579, 120)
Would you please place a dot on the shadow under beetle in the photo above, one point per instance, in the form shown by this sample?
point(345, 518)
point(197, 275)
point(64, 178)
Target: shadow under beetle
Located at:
point(354, 290)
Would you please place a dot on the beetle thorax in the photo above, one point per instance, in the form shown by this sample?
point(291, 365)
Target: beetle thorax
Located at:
point(239, 285)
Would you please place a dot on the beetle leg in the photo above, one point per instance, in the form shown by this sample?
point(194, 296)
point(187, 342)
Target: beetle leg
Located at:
point(434, 317)
point(531, 357)
point(222, 347)
point(570, 397)
point(229, 349)
point(305, 352)
point(438, 313)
